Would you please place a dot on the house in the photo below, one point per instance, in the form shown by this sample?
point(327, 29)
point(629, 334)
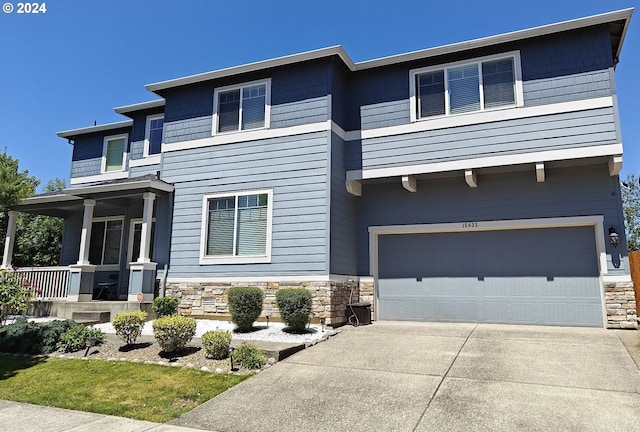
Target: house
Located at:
point(476, 181)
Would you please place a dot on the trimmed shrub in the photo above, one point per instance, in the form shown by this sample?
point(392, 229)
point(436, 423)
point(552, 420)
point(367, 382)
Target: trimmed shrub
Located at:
point(21, 337)
point(249, 356)
point(216, 344)
point(128, 325)
point(295, 307)
point(76, 337)
point(52, 332)
point(245, 306)
point(173, 332)
point(164, 306)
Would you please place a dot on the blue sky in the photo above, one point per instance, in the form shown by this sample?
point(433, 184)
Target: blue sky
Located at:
point(70, 66)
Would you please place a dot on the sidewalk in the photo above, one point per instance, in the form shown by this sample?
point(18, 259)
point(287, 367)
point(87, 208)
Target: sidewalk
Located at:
point(21, 417)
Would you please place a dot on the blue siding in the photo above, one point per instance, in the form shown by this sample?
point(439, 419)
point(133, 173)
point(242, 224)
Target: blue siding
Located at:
point(295, 168)
point(551, 132)
point(189, 129)
point(301, 112)
point(567, 88)
point(71, 239)
point(576, 191)
point(137, 150)
point(86, 159)
point(343, 215)
point(144, 170)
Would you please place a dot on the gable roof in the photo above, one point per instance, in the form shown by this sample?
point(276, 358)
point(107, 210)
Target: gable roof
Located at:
point(618, 22)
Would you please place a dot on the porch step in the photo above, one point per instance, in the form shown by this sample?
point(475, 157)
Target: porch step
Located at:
point(91, 317)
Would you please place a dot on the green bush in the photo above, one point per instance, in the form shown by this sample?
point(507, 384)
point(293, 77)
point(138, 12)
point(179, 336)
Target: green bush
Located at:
point(245, 306)
point(249, 356)
point(128, 325)
point(216, 344)
point(52, 332)
point(21, 337)
point(176, 329)
point(76, 337)
point(164, 306)
point(295, 307)
point(15, 294)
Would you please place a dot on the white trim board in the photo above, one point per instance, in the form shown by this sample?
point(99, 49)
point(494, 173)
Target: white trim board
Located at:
point(115, 175)
point(488, 161)
point(145, 161)
point(596, 221)
point(276, 278)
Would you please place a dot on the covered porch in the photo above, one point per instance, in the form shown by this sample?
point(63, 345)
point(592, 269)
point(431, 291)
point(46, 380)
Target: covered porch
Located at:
point(115, 242)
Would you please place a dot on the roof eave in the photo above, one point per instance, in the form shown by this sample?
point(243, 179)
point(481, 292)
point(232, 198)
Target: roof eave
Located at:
point(69, 134)
point(125, 109)
point(251, 67)
point(604, 18)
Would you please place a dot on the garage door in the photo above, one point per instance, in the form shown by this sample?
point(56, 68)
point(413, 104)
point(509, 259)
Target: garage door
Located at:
point(529, 276)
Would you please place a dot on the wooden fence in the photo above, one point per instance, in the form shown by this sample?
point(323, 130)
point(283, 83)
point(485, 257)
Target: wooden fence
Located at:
point(634, 264)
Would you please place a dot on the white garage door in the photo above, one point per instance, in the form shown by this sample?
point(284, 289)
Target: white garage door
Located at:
point(527, 276)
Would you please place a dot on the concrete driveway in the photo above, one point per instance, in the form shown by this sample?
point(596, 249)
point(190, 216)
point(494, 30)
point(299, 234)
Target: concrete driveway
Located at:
point(393, 376)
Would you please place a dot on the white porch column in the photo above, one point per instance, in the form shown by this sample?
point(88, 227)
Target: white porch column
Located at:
point(85, 238)
point(145, 234)
point(9, 241)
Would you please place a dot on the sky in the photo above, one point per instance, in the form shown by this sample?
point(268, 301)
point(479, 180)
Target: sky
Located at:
point(71, 65)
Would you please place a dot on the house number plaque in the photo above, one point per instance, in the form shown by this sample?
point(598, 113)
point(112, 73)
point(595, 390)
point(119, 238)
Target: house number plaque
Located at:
point(469, 224)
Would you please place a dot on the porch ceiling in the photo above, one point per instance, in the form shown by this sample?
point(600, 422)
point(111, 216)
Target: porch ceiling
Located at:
point(114, 194)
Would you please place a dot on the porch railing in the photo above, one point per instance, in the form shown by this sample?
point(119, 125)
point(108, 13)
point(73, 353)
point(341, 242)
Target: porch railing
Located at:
point(47, 282)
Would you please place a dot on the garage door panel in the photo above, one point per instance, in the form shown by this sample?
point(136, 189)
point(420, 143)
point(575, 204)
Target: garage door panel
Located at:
point(534, 276)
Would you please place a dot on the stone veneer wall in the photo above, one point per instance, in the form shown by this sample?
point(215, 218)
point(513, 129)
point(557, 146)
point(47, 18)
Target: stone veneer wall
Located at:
point(209, 299)
point(621, 305)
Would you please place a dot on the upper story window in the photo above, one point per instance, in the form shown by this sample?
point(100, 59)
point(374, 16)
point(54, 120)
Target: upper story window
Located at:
point(153, 135)
point(469, 86)
point(236, 228)
point(242, 107)
point(114, 153)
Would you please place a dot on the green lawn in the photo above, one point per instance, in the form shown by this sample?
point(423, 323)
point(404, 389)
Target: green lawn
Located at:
point(138, 391)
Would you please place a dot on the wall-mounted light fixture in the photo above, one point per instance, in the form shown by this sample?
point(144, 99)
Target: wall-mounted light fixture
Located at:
point(614, 238)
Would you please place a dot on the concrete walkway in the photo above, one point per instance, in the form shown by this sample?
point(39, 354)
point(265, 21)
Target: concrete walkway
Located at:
point(393, 376)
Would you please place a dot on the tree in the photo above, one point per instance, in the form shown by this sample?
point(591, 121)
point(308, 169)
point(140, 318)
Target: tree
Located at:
point(630, 188)
point(14, 185)
point(39, 238)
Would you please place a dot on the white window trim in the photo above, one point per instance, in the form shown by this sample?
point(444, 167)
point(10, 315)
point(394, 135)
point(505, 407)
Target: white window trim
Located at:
point(109, 267)
point(250, 259)
point(132, 224)
point(413, 91)
point(267, 106)
point(147, 134)
point(105, 142)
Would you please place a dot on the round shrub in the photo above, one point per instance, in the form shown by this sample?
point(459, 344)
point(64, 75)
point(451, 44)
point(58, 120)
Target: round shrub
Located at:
point(164, 306)
point(52, 332)
point(249, 356)
point(22, 336)
point(173, 332)
point(76, 337)
point(129, 325)
point(216, 344)
point(295, 307)
point(245, 306)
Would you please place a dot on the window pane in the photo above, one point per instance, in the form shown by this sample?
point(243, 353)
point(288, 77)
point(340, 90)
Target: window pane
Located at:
point(431, 94)
point(220, 226)
point(137, 234)
point(228, 110)
point(498, 83)
point(155, 136)
point(252, 225)
point(114, 156)
point(112, 242)
point(95, 245)
point(464, 89)
point(253, 106)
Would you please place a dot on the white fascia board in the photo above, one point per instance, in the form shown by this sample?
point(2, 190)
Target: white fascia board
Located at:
point(489, 161)
point(146, 161)
point(593, 20)
point(45, 199)
point(114, 187)
point(255, 66)
point(91, 129)
point(139, 106)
